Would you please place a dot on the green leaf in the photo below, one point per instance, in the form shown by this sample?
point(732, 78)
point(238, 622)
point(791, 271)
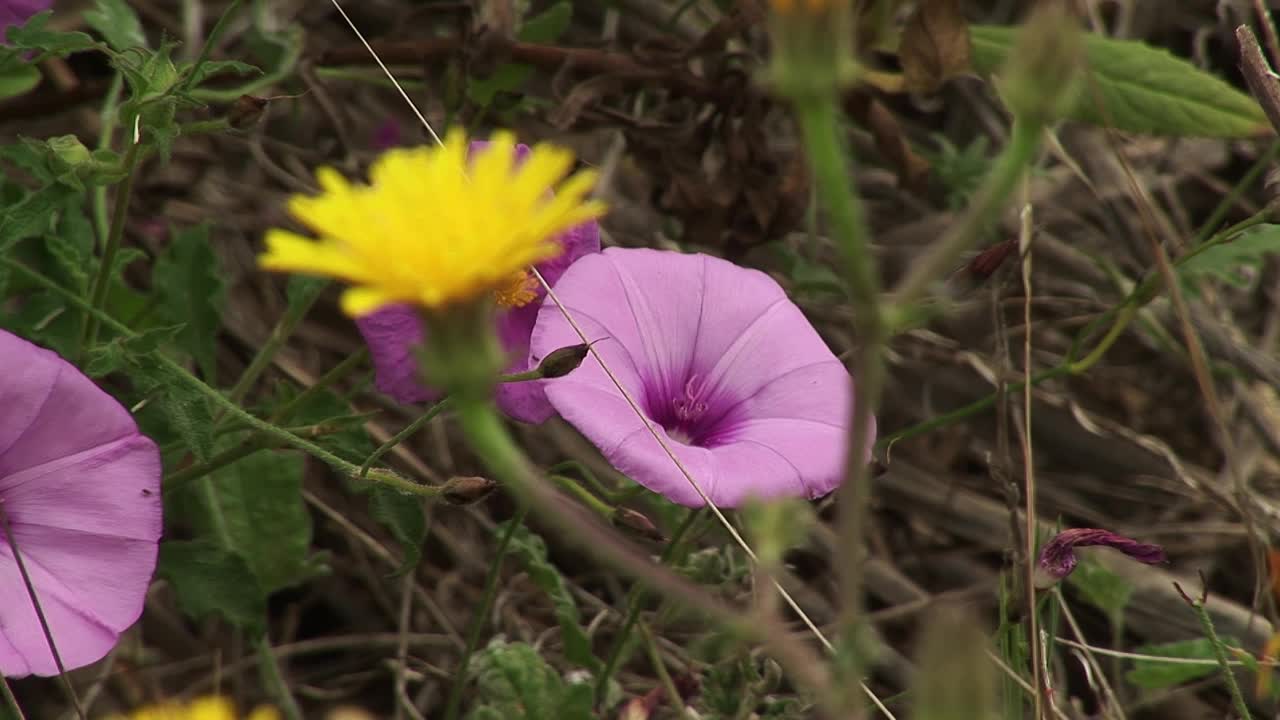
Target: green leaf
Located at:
point(33, 36)
point(189, 286)
point(117, 354)
point(175, 410)
point(402, 515)
point(211, 580)
point(548, 25)
point(515, 683)
point(1142, 89)
point(33, 215)
point(531, 552)
point(117, 23)
point(211, 68)
point(1156, 675)
point(1102, 588)
point(72, 244)
point(1236, 262)
point(17, 77)
point(258, 503)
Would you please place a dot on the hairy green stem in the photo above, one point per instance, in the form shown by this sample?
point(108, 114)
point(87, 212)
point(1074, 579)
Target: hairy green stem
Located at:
point(490, 440)
point(454, 703)
point(336, 373)
point(636, 599)
point(108, 115)
point(119, 216)
point(279, 335)
point(827, 153)
point(1220, 654)
point(401, 436)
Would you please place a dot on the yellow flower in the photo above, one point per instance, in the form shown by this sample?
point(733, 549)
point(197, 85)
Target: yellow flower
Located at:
point(205, 708)
point(433, 229)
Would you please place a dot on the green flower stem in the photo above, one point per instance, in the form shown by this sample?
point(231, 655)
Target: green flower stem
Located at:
point(279, 335)
point(102, 279)
point(584, 496)
point(408, 430)
point(12, 711)
point(827, 153)
point(635, 601)
point(490, 440)
point(109, 115)
point(273, 675)
point(991, 198)
point(176, 480)
point(454, 703)
point(271, 431)
point(1220, 654)
point(336, 373)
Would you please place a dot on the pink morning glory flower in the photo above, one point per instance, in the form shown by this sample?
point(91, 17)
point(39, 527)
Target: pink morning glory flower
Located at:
point(393, 332)
point(80, 489)
point(724, 367)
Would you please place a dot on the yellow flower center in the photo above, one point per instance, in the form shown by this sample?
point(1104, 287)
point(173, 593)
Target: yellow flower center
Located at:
point(435, 229)
point(520, 289)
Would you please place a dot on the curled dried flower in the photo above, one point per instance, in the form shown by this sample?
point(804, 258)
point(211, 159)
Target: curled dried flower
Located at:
point(1058, 556)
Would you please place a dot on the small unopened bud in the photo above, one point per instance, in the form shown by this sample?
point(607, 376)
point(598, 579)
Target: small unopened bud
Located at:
point(812, 47)
point(563, 361)
point(1058, 556)
point(467, 489)
point(985, 263)
point(70, 150)
point(246, 111)
point(637, 524)
point(1041, 80)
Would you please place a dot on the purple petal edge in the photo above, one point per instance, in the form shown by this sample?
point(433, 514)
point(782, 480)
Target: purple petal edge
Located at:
point(1058, 558)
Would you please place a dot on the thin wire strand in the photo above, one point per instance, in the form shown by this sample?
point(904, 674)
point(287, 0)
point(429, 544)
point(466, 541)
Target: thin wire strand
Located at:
point(387, 72)
point(720, 516)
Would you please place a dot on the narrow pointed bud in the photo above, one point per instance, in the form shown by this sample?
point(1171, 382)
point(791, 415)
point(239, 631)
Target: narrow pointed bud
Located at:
point(246, 111)
point(1041, 81)
point(985, 263)
point(465, 490)
point(563, 361)
point(637, 524)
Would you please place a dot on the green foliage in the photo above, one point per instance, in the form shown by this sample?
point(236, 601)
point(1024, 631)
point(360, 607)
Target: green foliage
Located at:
point(189, 289)
point(531, 552)
point(208, 579)
point(34, 215)
point(45, 43)
point(1156, 675)
point(960, 170)
point(256, 508)
point(17, 76)
point(742, 686)
point(1138, 88)
point(1101, 588)
point(545, 27)
point(1236, 262)
point(513, 682)
point(117, 23)
point(116, 354)
point(175, 410)
point(402, 515)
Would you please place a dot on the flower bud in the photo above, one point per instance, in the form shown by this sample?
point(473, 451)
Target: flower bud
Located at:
point(467, 489)
point(812, 46)
point(637, 524)
point(563, 361)
point(246, 111)
point(1041, 80)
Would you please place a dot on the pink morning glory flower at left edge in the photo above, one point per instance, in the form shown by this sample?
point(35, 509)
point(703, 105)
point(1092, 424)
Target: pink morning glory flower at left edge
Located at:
point(737, 382)
point(394, 332)
point(80, 490)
